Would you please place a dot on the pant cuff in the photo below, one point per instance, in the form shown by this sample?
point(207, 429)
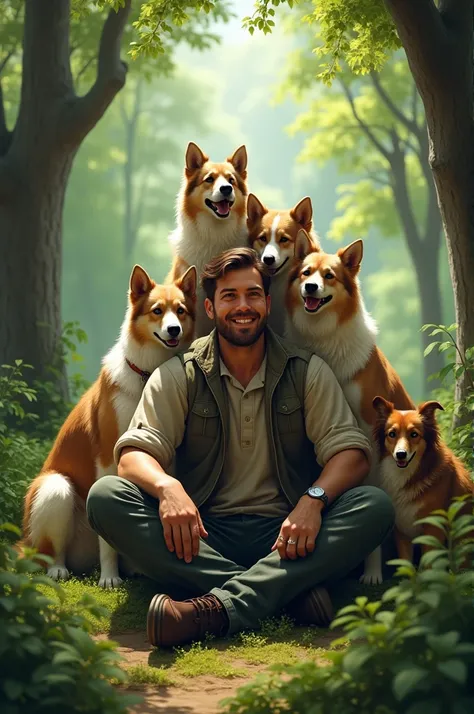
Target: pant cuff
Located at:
point(234, 620)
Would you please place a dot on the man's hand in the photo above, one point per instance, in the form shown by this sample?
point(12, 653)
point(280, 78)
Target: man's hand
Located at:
point(299, 531)
point(182, 524)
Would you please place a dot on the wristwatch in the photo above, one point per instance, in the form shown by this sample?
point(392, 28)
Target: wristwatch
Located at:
point(318, 493)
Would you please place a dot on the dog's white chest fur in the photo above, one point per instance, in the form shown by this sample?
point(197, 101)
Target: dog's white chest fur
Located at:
point(392, 480)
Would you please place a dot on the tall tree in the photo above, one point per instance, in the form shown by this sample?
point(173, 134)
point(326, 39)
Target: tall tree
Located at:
point(373, 126)
point(37, 153)
point(438, 41)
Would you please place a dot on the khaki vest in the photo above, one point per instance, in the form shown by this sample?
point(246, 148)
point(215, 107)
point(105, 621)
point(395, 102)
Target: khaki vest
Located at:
point(200, 456)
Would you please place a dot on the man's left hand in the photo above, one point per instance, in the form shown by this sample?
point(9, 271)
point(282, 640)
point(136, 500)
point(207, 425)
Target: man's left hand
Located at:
point(299, 531)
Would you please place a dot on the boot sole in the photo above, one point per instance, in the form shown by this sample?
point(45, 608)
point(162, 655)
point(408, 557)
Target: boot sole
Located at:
point(154, 616)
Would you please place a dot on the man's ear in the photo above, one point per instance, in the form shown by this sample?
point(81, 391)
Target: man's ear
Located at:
point(209, 307)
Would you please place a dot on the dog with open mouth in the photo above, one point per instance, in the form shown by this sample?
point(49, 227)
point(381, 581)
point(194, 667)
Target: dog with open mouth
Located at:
point(210, 216)
point(418, 471)
point(327, 315)
point(272, 233)
point(159, 323)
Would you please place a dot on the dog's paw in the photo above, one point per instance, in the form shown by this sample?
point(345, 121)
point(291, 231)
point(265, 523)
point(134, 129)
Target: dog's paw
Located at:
point(371, 578)
point(108, 582)
point(58, 572)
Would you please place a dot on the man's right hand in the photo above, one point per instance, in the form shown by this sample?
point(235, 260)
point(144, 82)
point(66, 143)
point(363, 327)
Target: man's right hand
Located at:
point(182, 524)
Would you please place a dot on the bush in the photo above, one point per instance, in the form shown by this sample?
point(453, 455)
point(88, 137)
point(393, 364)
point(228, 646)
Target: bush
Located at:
point(21, 456)
point(410, 653)
point(48, 660)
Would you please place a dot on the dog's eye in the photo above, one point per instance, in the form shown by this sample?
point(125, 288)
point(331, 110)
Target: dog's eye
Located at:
point(328, 276)
point(209, 179)
point(414, 434)
point(180, 310)
point(307, 272)
point(231, 179)
point(284, 239)
point(392, 434)
point(262, 238)
point(157, 311)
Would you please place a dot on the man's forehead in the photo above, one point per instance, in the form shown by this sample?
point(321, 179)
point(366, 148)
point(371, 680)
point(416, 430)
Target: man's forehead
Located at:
point(248, 279)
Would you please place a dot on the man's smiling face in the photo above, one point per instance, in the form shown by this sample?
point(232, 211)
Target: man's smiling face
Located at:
point(240, 308)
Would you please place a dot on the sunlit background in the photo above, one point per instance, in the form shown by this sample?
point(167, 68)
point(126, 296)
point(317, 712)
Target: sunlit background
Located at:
point(221, 98)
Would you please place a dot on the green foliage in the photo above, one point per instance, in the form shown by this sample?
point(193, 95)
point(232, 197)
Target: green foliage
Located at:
point(20, 455)
point(461, 438)
point(360, 33)
point(410, 653)
point(49, 662)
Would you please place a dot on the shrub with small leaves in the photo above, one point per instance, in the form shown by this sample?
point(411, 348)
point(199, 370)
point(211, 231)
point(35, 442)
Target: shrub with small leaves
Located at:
point(410, 653)
point(49, 663)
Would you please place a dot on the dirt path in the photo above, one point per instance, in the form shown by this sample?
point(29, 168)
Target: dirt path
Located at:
point(188, 695)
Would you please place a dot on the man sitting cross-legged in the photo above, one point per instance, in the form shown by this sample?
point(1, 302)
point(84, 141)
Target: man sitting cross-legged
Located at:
point(265, 504)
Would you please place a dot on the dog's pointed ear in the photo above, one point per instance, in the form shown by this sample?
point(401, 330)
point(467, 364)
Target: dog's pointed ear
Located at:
point(303, 245)
point(383, 407)
point(255, 209)
point(195, 158)
point(302, 213)
point(351, 256)
point(140, 282)
point(188, 282)
point(427, 411)
point(239, 160)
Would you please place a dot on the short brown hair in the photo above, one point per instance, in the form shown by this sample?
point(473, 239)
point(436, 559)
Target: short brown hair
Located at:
point(233, 259)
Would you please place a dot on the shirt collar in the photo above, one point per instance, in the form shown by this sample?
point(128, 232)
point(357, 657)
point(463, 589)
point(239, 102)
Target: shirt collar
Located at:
point(258, 380)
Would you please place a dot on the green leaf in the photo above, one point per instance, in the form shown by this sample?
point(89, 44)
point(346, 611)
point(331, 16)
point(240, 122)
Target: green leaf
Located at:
point(431, 598)
point(430, 348)
point(454, 669)
point(428, 540)
point(357, 657)
point(427, 706)
point(408, 681)
point(436, 521)
point(13, 689)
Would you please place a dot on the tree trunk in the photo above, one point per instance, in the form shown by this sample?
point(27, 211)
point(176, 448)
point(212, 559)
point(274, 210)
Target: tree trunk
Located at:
point(431, 311)
point(439, 45)
point(35, 163)
point(30, 269)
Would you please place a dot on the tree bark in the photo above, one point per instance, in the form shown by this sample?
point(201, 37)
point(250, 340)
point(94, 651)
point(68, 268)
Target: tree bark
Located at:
point(35, 164)
point(438, 44)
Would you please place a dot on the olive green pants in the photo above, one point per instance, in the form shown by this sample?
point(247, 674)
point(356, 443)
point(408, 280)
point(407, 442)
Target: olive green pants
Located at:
point(234, 561)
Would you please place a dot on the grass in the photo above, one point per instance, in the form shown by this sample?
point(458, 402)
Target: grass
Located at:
point(278, 642)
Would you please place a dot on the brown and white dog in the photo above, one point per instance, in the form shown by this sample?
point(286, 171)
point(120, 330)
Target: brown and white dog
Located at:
point(417, 469)
point(159, 322)
point(210, 216)
point(328, 316)
point(272, 233)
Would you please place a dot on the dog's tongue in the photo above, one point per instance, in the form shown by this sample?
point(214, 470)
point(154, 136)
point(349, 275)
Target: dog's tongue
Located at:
point(222, 207)
point(312, 302)
point(173, 342)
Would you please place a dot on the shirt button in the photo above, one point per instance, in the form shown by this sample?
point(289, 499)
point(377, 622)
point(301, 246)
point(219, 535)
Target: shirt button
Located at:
point(284, 407)
point(247, 418)
point(246, 443)
point(246, 396)
point(205, 411)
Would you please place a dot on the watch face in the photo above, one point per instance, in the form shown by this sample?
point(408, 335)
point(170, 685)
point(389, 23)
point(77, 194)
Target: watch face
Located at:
point(316, 491)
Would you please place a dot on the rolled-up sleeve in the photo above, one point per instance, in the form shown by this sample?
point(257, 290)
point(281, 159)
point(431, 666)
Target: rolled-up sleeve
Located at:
point(330, 423)
point(158, 423)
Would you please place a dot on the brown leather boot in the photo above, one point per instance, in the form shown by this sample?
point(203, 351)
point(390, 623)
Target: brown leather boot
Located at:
point(313, 607)
point(171, 623)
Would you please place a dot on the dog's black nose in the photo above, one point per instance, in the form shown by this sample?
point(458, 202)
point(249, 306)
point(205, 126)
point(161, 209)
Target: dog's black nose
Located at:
point(226, 190)
point(310, 288)
point(174, 330)
point(401, 455)
point(269, 259)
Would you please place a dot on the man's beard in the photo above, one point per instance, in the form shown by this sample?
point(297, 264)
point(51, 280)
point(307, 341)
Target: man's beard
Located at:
point(241, 336)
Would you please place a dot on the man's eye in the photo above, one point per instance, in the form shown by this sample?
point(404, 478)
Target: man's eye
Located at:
point(209, 179)
point(157, 311)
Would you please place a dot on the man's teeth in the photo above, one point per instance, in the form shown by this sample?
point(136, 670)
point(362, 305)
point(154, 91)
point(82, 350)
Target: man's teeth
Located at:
point(244, 321)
